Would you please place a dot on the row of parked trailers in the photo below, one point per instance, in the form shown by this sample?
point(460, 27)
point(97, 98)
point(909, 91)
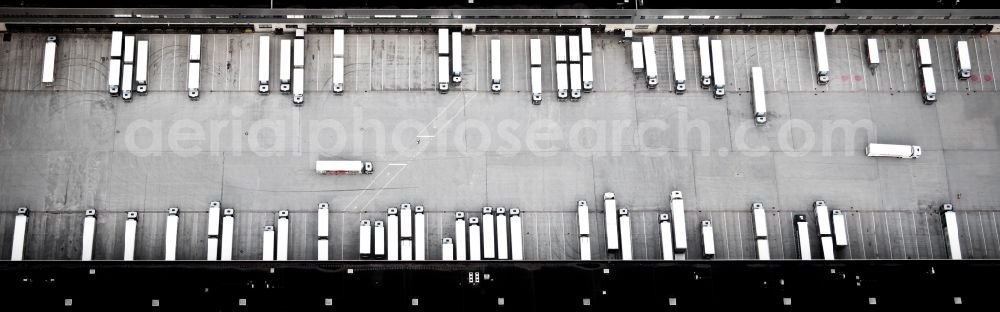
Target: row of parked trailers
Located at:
point(574, 65)
point(496, 234)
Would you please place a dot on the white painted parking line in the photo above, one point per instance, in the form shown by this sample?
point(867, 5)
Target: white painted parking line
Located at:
point(739, 232)
point(795, 49)
point(996, 234)
point(888, 63)
point(916, 239)
point(982, 232)
point(930, 241)
point(770, 61)
point(902, 73)
point(979, 67)
point(989, 52)
point(781, 238)
point(850, 68)
point(968, 236)
point(940, 72)
point(902, 236)
point(875, 235)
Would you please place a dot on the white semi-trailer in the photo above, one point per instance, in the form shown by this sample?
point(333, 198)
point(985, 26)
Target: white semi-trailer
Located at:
point(759, 99)
point(892, 150)
point(587, 48)
point(586, 45)
point(666, 237)
point(760, 231)
point(839, 222)
point(536, 71)
point(338, 61)
point(298, 67)
point(489, 234)
point(583, 218)
point(323, 231)
point(142, 67)
point(392, 234)
point(822, 64)
point(963, 60)
point(611, 221)
point(298, 86)
point(285, 67)
point(649, 57)
point(825, 230)
point(128, 65)
point(502, 238)
point(378, 237)
point(802, 237)
point(707, 240)
point(49, 62)
point(264, 65)
point(575, 70)
point(637, 61)
point(115, 63)
point(718, 70)
point(214, 214)
point(365, 239)
point(131, 225)
point(516, 236)
point(343, 167)
point(460, 243)
point(680, 227)
point(194, 67)
point(228, 224)
point(928, 86)
point(444, 74)
point(872, 54)
point(950, 223)
point(89, 226)
point(475, 240)
point(680, 74)
point(562, 81)
point(924, 53)
point(419, 233)
point(443, 47)
point(705, 61)
point(495, 65)
point(170, 237)
point(625, 226)
point(447, 249)
point(456, 59)
point(560, 46)
point(267, 244)
point(20, 234)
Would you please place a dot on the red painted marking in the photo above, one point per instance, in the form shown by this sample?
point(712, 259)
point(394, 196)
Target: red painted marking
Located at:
point(845, 78)
point(988, 77)
point(859, 77)
point(974, 77)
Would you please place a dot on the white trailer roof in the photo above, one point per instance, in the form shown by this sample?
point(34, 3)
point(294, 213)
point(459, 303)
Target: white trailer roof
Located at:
point(822, 65)
point(298, 81)
point(562, 82)
point(285, 66)
point(536, 52)
point(444, 71)
point(536, 80)
point(677, 47)
point(456, 52)
point(129, 57)
point(575, 81)
point(680, 224)
point(924, 47)
point(928, 76)
point(338, 70)
point(141, 61)
point(495, 59)
point(705, 56)
point(264, 62)
point(637, 63)
point(443, 46)
point(873, 57)
point(574, 48)
point(49, 64)
point(964, 62)
point(718, 67)
point(760, 222)
point(194, 75)
point(339, 165)
point(649, 55)
point(194, 48)
point(588, 68)
point(757, 78)
point(127, 77)
point(560, 43)
point(114, 74)
point(587, 45)
point(338, 42)
point(823, 219)
point(299, 53)
point(116, 44)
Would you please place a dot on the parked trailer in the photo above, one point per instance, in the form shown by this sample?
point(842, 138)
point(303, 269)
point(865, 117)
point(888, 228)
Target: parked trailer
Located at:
point(705, 60)
point(516, 236)
point(447, 249)
point(419, 233)
point(826, 242)
point(822, 63)
point(892, 150)
point(666, 237)
point(574, 81)
point(460, 243)
point(963, 60)
point(536, 71)
point(338, 43)
point(718, 70)
point(115, 68)
point(405, 221)
point(298, 86)
point(378, 237)
point(89, 226)
point(194, 67)
point(585, 248)
point(637, 62)
point(228, 223)
point(839, 221)
point(583, 218)
point(625, 226)
point(343, 167)
point(392, 234)
point(680, 227)
point(267, 244)
point(214, 213)
point(443, 46)
point(141, 66)
point(680, 74)
point(924, 53)
point(872, 54)
point(170, 237)
point(760, 231)
point(285, 67)
point(49, 62)
point(126, 87)
point(825, 230)
point(456, 58)
point(495, 65)
point(338, 61)
point(489, 234)
point(950, 223)
point(444, 74)
point(574, 49)
point(759, 99)
point(763, 249)
point(20, 234)
point(475, 240)
point(586, 45)
point(264, 65)
point(611, 221)
point(323, 231)
point(708, 240)
point(560, 46)
point(562, 81)
point(928, 85)
point(502, 238)
point(802, 237)
point(131, 225)
point(649, 57)
point(365, 239)
point(588, 73)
